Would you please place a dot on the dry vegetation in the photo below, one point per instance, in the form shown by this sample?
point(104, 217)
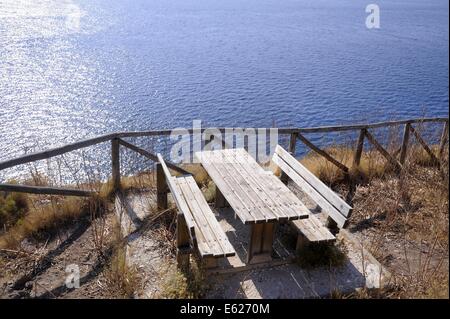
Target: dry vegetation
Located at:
point(402, 218)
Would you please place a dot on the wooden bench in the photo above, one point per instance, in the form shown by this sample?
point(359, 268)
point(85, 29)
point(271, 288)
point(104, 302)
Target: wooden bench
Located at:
point(197, 226)
point(312, 230)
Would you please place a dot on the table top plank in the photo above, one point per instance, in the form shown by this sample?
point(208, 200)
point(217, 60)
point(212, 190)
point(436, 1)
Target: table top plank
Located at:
point(258, 189)
point(233, 198)
point(243, 182)
point(283, 198)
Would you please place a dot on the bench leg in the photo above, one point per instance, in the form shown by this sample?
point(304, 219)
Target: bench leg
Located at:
point(302, 243)
point(161, 187)
point(331, 225)
point(210, 262)
point(183, 246)
point(261, 242)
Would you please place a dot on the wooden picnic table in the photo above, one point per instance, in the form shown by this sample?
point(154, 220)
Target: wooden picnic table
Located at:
point(257, 196)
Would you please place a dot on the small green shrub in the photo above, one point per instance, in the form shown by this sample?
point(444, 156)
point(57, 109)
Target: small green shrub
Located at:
point(12, 208)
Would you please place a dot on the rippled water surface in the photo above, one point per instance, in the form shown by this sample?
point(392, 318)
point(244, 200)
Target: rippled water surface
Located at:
point(148, 64)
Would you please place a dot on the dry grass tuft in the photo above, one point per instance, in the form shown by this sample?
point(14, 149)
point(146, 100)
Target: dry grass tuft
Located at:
point(45, 218)
point(121, 278)
point(404, 220)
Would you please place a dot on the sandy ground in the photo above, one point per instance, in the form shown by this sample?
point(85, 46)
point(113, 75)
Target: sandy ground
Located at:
point(284, 281)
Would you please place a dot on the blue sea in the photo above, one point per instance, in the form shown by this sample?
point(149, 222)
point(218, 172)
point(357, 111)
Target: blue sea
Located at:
point(71, 69)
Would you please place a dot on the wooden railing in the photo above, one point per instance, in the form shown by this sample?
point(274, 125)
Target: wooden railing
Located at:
point(295, 134)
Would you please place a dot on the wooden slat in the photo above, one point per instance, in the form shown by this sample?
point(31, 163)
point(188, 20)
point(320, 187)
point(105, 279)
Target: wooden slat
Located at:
point(273, 195)
point(231, 196)
point(278, 190)
point(314, 182)
point(55, 151)
point(323, 153)
point(227, 248)
point(100, 139)
point(383, 152)
point(313, 230)
point(424, 145)
point(176, 194)
point(311, 192)
point(253, 194)
point(249, 194)
point(152, 156)
point(201, 221)
point(45, 190)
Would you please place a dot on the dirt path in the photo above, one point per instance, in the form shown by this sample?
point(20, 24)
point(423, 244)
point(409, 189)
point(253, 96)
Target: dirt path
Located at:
point(41, 272)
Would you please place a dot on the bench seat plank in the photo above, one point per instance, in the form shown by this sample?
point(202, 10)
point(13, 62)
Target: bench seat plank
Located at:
point(308, 189)
point(211, 239)
point(316, 183)
point(314, 230)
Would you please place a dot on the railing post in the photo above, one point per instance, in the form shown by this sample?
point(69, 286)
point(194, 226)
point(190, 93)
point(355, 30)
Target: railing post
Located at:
point(291, 149)
point(405, 143)
point(444, 140)
point(161, 187)
point(115, 164)
point(359, 148)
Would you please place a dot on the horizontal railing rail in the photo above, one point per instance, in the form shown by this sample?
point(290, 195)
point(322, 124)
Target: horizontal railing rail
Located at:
point(116, 140)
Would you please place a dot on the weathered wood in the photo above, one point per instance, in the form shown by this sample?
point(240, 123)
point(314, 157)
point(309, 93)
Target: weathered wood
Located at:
point(323, 153)
point(226, 249)
point(311, 192)
point(230, 194)
point(100, 139)
point(161, 187)
point(424, 145)
point(45, 190)
point(444, 140)
point(314, 182)
point(219, 199)
point(210, 263)
point(211, 246)
point(211, 239)
point(260, 196)
point(260, 244)
point(302, 243)
point(339, 128)
point(115, 164)
point(183, 243)
point(54, 151)
point(383, 152)
point(292, 143)
point(152, 156)
point(359, 148)
point(291, 149)
point(405, 143)
point(178, 198)
point(312, 230)
point(289, 130)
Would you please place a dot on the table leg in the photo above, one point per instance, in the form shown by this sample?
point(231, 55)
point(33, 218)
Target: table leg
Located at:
point(221, 202)
point(261, 242)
